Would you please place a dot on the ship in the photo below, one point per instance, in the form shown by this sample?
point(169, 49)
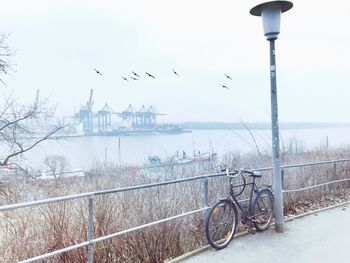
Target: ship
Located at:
point(156, 161)
point(161, 129)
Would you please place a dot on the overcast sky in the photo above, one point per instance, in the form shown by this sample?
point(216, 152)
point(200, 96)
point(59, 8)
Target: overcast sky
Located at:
point(58, 43)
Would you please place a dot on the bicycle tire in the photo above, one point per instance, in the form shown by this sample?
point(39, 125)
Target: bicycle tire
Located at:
point(262, 209)
point(221, 224)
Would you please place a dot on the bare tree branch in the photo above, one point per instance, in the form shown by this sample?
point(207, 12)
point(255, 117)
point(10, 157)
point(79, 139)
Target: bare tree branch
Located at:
point(17, 120)
point(22, 150)
point(253, 137)
point(5, 54)
point(241, 137)
point(16, 128)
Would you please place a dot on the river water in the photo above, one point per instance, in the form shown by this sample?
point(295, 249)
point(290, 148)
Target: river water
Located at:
point(82, 152)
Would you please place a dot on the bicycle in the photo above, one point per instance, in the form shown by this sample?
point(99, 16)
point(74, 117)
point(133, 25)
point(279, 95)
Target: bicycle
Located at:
point(221, 221)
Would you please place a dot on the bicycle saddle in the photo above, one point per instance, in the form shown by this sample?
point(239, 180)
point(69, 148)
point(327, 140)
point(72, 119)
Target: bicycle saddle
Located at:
point(256, 174)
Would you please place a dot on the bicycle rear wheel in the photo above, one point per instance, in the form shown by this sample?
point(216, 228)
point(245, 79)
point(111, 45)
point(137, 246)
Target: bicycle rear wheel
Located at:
point(221, 223)
point(262, 209)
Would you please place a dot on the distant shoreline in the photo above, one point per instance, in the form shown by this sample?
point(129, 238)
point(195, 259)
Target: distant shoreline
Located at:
point(189, 126)
point(257, 126)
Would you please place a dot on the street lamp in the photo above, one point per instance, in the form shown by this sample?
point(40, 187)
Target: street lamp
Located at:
point(271, 16)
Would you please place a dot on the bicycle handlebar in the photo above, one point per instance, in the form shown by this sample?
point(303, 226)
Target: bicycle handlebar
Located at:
point(235, 173)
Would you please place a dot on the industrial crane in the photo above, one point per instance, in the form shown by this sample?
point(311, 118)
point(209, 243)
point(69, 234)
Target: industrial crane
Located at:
point(86, 116)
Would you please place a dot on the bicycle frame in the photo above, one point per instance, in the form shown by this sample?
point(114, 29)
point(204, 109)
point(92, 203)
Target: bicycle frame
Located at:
point(223, 218)
point(254, 188)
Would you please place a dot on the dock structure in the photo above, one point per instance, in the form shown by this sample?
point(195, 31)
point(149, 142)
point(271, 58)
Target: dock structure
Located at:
point(145, 117)
point(86, 115)
point(128, 115)
point(104, 118)
point(88, 118)
point(134, 120)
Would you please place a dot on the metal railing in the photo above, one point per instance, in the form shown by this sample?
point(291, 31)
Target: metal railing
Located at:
point(91, 195)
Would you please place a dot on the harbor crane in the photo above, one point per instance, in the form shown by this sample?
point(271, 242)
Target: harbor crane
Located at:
point(144, 118)
point(86, 115)
point(104, 118)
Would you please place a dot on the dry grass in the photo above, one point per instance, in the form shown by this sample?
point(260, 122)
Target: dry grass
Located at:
point(29, 232)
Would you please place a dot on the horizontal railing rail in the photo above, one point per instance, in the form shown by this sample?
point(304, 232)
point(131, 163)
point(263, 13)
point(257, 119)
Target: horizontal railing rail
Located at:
point(103, 192)
point(314, 186)
point(90, 196)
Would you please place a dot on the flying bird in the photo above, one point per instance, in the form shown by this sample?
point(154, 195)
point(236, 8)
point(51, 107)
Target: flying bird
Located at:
point(98, 72)
point(227, 76)
point(3, 82)
point(149, 75)
point(175, 73)
point(225, 87)
point(135, 74)
point(124, 78)
point(134, 78)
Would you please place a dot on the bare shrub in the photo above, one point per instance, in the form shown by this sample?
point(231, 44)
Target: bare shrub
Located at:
point(49, 227)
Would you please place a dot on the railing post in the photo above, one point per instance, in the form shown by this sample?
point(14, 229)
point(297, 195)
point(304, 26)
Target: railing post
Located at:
point(90, 229)
point(205, 204)
point(334, 192)
point(205, 192)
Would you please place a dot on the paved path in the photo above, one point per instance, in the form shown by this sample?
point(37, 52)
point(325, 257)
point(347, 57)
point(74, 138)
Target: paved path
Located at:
point(321, 238)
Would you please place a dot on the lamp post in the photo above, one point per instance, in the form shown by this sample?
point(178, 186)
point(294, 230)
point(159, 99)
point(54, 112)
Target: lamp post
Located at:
point(271, 17)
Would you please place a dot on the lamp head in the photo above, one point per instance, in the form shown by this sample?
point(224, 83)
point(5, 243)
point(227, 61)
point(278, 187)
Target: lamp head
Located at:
point(271, 16)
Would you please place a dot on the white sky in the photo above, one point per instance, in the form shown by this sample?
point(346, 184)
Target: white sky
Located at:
point(58, 43)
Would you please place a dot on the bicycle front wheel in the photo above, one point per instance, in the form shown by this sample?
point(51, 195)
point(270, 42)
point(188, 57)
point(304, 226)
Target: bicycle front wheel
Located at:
point(221, 223)
point(262, 209)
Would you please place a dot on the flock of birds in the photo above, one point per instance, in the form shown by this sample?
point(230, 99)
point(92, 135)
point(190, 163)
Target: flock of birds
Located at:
point(136, 76)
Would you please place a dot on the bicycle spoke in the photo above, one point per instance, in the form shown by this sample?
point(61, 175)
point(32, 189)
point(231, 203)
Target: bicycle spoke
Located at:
point(220, 225)
point(263, 210)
